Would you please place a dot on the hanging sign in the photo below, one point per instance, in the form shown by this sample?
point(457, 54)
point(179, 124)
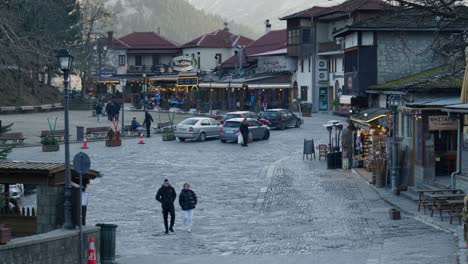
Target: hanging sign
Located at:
point(183, 63)
point(442, 122)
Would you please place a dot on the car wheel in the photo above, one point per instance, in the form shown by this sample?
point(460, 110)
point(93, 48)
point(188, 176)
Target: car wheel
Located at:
point(223, 141)
point(298, 123)
point(181, 139)
point(202, 137)
point(266, 135)
point(283, 126)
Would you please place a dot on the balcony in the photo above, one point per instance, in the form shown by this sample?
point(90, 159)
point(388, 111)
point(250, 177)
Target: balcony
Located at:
point(330, 48)
point(140, 69)
point(301, 51)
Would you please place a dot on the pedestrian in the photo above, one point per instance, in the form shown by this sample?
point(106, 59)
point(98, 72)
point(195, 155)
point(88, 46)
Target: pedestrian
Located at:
point(147, 123)
point(98, 109)
point(166, 195)
point(188, 201)
point(116, 111)
point(244, 130)
point(109, 110)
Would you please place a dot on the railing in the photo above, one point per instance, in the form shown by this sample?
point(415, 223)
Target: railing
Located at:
point(140, 69)
point(329, 46)
point(22, 222)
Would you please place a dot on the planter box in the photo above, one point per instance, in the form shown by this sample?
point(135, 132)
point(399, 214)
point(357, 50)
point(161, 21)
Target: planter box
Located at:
point(5, 235)
point(394, 214)
point(113, 143)
point(168, 137)
point(50, 148)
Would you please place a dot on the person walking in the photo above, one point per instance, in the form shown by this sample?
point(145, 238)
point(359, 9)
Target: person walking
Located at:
point(147, 123)
point(109, 110)
point(98, 109)
point(166, 195)
point(187, 201)
point(244, 130)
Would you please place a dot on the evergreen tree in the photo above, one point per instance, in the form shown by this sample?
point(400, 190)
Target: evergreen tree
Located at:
point(5, 149)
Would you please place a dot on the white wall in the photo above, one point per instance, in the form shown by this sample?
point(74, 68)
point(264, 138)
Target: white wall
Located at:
point(337, 25)
point(147, 59)
point(382, 100)
point(351, 40)
point(112, 59)
point(207, 56)
point(304, 78)
point(367, 38)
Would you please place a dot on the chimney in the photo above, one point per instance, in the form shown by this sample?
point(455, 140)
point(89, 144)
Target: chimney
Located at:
point(110, 36)
point(226, 26)
point(159, 31)
point(268, 26)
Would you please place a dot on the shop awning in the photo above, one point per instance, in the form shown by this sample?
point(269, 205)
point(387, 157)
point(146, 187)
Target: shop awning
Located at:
point(346, 99)
point(223, 85)
point(366, 117)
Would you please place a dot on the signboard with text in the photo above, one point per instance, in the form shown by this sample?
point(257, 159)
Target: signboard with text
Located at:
point(442, 122)
point(187, 81)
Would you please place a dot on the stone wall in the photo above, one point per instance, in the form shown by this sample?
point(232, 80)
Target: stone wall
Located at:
point(59, 246)
point(50, 208)
point(401, 54)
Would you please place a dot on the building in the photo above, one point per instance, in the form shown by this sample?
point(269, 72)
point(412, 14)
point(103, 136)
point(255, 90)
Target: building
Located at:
point(212, 49)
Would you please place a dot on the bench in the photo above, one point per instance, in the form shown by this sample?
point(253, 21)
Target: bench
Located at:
point(58, 134)
point(14, 137)
point(456, 210)
point(26, 108)
point(46, 107)
point(8, 109)
point(128, 131)
point(440, 202)
point(160, 127)
point(97, 132)
point(425, 200)
point(57, 106)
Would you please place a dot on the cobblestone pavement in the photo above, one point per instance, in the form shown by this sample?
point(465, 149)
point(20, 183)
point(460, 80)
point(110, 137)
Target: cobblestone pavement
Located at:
point(261, 204)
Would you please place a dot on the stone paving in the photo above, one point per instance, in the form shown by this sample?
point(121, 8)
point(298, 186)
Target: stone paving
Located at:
point(261, 204)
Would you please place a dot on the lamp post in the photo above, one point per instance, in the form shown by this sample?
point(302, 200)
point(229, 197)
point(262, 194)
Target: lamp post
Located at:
point(211, 96)
point(241, 49)
point(229, 90)
point(100, 48)
point(123, 82)
point(65, 62)
point(394, 103)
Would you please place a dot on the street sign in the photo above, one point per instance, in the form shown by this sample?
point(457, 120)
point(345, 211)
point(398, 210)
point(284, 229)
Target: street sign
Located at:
point(187, 81)
point(81, 163)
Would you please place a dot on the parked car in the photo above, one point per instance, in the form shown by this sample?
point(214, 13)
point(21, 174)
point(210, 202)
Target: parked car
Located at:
point(16, 191)
point(282, 118)
point(198, 128)
point(230, 130)
point(245, 114)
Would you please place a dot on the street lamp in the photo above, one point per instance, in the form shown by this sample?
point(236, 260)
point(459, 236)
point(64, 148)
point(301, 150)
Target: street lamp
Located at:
point(65, 60)
point(394, 103)
point(100, 48)
point(123, 82)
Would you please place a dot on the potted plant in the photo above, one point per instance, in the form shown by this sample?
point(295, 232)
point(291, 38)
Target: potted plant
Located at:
point(465, 218)
point(335, 103)
point(50, 144)
point(168, 133)
point(113, 136)
point(165, 105)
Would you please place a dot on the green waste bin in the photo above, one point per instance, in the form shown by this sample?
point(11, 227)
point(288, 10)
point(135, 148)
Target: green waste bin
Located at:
point(107, 243)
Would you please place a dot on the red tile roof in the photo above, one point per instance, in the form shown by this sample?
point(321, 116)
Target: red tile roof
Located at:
point(218, 39)
point(273, 40)
point(147, 40)
point(305, 13)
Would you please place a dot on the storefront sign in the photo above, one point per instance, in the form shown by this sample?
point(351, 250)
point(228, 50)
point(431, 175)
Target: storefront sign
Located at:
point(187, 81)
point(275, 64)
point(442, 122)
point(183, 63)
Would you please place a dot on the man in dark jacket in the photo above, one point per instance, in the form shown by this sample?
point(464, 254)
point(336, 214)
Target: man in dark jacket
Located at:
point(147, 123)
point(244, 130)
point(166, 196)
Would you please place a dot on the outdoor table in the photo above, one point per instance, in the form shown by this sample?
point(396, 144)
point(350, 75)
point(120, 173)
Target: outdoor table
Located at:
point(425, 201)
point(440, 202)
point(456, 209)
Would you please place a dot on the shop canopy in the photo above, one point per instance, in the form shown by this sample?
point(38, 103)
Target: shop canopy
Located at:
point(346, 99)
point(366, 117)
point(223, 85)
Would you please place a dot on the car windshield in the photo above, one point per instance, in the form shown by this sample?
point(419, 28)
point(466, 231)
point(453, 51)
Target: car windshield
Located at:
point(232, 124)
point(270, 113)
point(231, 116)
point(189, 122)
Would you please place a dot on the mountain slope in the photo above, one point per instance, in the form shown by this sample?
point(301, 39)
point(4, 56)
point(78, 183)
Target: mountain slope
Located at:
point(253, 13)
point(176, 19)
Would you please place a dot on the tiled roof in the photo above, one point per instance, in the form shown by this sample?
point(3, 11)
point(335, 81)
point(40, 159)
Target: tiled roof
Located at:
point(273, 40)
point(218, 39)
point(305, 13)
point(147, 40)
point(115, 43)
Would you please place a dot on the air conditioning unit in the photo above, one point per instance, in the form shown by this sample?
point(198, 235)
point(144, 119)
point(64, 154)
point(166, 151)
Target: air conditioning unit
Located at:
point(322, 64)
point(322, 76)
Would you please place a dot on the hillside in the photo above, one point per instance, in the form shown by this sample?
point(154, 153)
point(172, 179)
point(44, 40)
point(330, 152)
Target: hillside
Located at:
point(176, 19)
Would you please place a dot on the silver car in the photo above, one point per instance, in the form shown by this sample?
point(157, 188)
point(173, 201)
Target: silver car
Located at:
point(231, 128)
point(198, 128)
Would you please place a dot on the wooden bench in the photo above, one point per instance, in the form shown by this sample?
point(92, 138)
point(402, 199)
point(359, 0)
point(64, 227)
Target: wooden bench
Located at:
point(8, 109)
point(97, 132)
point(160, 127)
point(46, 107)
point(57, 106)
point(456, 210)
point(128, 131)
point(14, 137)
point(425, 200)
point(440, 202)
point(27, 108)
point(58, 134)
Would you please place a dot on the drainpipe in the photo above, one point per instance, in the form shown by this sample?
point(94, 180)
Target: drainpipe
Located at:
point(459, 146)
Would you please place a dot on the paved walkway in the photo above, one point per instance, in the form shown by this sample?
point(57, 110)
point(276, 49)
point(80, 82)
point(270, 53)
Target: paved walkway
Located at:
point(261, 204)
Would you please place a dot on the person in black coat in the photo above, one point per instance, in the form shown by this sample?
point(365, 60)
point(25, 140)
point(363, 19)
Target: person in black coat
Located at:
point(166, 195)
point(188, 201)
point(147, 123)
point(244, 130)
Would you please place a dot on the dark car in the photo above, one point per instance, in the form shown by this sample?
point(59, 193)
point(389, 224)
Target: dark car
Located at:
point(244, 114)
point(282, 118)
point(230, 130)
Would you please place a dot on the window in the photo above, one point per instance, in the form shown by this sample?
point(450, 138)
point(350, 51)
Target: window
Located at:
point(302, 65)
point(284, 114)
point(205, 122)
point(306, 36)
point(189, 122)
point(304, 90)
point(310, 65)
point(122, 61)
point(155, 59)
point(219, 58)
point(351, 61)
point(253, 123)
point(294, 37)
point(138, 60)
point(215, 123)
point(332, 65)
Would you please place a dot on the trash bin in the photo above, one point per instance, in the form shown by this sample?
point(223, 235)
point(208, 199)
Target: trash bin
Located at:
point(107, 243)
point(331, 161)
point(79, 133)
point(338, 160)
